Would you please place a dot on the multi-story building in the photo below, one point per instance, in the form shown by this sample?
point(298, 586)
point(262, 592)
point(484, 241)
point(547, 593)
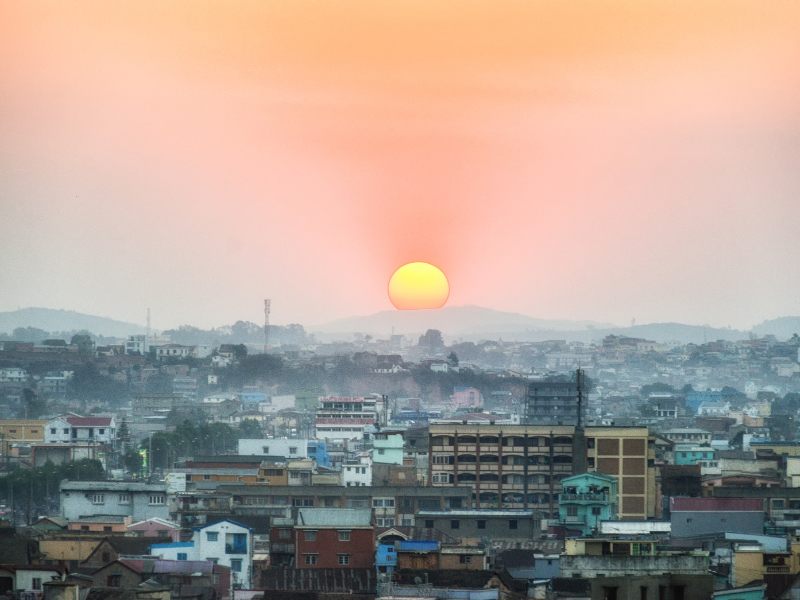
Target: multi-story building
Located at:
point(506, 466)
point(334, 538)
point(139, 501)
point(292, 448)
point(552, 401)
point(72, 428)
point(587, 499)
point(346, 418)
point(357, 472)
point(387, 448)
point(391, 505)
point(475, 525)
point(20, 432)
point(522, 466)
point(627, 453)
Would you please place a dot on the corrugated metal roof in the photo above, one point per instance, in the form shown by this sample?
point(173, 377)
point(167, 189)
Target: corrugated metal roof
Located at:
point(716, 504)
point(334, 517)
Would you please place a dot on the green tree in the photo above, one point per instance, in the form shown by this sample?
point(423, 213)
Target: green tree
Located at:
point(133, 461)
point(431, 339)
point(33, 405)
point(453, 359)
point(251, 429)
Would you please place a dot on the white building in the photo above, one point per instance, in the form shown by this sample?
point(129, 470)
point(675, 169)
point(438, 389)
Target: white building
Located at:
point(346, 418)
point(225, 542)
point(274, 404)
point(357, 473)
point(173, 351)
point(72, 428)
point(136, 344)
point(29, 580)
point(140, 501)
point(13, 375)
point(290, 448)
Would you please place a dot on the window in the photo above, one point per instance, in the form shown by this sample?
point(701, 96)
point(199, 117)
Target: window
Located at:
point(107, 528)
point(777, 504)
point(429, 504)
point(84, 528)
point(596, 510)
point(381, 451)
point(212, 536)
point(465, 559)
point(12, 431)
point(311, 559)
point(344, 559)
point(481, 524)
point(213, 559)
point(292, 449)
point(428, 523)
point(572, 511)
point(454, 524)
point(101, 431)
point(66, 430)
point(106, 557)
point(113, 580)
point(52, 430)
point(34, 431)
point(157, 499)
point(383, 503)
point(124, 498)
point(182, 556)
point(236, 565)
point(98, 498)
point(303, 502)
point(344, 536)
point(265, 449)
point(512, 524)
point(284, 534)
point(36, 583)
point(311, 536)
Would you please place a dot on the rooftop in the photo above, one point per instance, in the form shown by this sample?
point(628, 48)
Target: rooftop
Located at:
point(334, 517)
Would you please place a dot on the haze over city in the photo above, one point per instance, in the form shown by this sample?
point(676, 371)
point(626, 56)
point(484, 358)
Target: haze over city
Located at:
point(564, 160)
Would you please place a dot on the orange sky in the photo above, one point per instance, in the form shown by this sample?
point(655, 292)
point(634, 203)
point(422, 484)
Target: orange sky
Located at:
point(564, 159)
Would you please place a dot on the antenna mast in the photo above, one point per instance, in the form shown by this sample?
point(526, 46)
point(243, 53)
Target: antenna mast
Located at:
point(267, 304)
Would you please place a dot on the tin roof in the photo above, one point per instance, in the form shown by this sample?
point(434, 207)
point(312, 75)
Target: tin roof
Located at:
point(325, 518)
point(716, 504)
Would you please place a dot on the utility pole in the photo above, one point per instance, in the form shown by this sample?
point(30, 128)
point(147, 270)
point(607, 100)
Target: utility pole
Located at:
point(267, 304)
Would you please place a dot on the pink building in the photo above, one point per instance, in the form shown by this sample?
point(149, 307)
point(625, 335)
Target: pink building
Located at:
point(156, 527)
point(466, 397)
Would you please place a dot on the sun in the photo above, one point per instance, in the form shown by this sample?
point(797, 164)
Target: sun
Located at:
point(418, 285)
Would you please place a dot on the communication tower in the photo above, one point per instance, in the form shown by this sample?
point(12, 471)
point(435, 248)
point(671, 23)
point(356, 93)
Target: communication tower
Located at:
point(267, 304)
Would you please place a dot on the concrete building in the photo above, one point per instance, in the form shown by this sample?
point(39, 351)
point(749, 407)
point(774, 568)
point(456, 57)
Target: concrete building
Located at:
point(346, 418)
point(586, 500)
point(357, 472)
point(552, 401)
point(290, 448)
point(334, 538)
point(72, 428)
point(225, 543)
point(387, 448)
point(698, 517)
point(20, 432)
point(139, 501)
point(478, 524)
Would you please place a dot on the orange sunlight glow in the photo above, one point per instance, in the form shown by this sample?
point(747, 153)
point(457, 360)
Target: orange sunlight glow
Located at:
point(418, 285)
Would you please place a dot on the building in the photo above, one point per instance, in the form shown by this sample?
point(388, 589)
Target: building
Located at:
point(688, 435)
point(192, 576)
point(479, 524)
point(357, 472)
point(139, 501)
point(387, 448)
point(331, 538)
point(752, 562)
point(158, 528)
point(346, 418)
point(586, 500)
point(225, 543)
point(286, 447)
point(467, 397)
point(691, 455)
point(27, 581)
point(713, 517)
point(72, 428)
point(20, 432)
point(552, 401)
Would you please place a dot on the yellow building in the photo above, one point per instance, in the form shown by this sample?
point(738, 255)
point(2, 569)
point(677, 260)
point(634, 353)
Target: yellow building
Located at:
point(20, 432)
point(627, 453)
point(69, 548)
point(751, 563)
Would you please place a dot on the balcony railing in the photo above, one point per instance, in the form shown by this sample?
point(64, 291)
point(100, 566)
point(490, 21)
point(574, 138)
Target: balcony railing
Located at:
point(281, 548)
point(583, 498)
point(235, 548)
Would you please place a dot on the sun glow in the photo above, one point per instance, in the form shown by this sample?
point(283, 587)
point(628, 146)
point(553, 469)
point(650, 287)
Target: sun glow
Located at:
point(418, 285)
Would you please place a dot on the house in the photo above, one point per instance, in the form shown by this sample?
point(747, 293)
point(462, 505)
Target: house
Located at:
point(27, 579)
point(210, 581)
point(388, 448)
point(73, 428)
point(479, 524)
point(173, 351)
point(335, 538)
point(155, 527)
point(466, 397)
point(101, 523)
point(357, 472)
point(386, 558)
point(586, 500)
point(753, 562)
point(225, 542)
point(121, 498)
point(111, 548)
point(695, 517)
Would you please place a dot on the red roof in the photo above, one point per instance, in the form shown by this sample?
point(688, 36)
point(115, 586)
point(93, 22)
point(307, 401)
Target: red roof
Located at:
point(716, 504)
point(89, 421)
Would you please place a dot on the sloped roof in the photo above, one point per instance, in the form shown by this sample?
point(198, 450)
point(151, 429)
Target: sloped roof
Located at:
point(89, 421)
point(334, 517)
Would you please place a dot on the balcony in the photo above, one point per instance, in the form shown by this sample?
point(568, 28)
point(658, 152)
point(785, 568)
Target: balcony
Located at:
point(782, 569)
point(583, 498)
point(235, 548)
point(281, 548)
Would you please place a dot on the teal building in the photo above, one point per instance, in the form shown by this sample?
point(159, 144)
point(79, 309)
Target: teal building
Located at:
point(587, 499)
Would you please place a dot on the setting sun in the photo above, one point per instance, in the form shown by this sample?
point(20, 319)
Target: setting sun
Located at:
point(418, 285)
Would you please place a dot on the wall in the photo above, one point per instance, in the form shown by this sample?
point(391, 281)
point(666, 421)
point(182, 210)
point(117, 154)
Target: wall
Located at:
point(327, 548)
point(619, 566)
point(693, 523)
point(275, 447)
point(694, 587)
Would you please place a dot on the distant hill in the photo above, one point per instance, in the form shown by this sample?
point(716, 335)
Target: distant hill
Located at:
point(53, 320)
point(782, 328)
point(454, 321)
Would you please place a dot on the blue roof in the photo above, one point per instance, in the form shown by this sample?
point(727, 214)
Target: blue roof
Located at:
point(174, 545)
point(419, 545)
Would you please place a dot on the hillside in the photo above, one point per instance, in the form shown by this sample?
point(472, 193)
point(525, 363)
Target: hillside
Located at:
point(53, 320)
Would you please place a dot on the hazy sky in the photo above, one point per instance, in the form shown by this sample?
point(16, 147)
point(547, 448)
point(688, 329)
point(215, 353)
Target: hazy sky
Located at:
point(563, 159)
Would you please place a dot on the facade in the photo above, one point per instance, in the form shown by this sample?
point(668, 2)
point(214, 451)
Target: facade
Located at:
point(692, 455)
point(467, 397)
point(285, 447)
point(225, 543)
point(688, 435)
point(72, 428)
point(696, 517)
point(552, 401)
point(158, 528)
point(387, 449)
point(357, 472)
point(586, 500)
point(588, 558)
point(139, 501)
point(334, 538)
point(479, 524)
point(346, 418)
point(20, 432)
point(627, 453)
point(752, 562)
point(386, 558)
